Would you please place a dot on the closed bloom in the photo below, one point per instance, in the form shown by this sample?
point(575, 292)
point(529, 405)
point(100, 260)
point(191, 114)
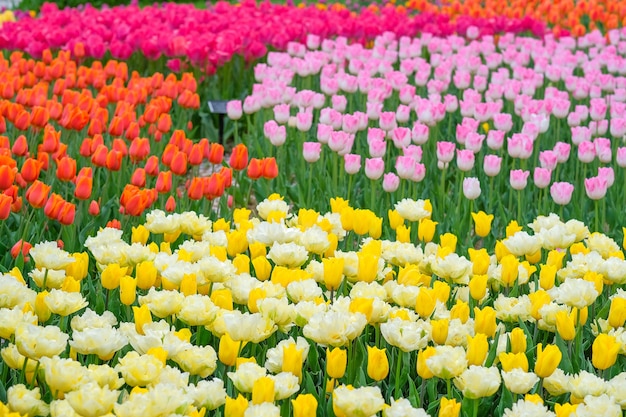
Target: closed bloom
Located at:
point(377, 363)
point(305, 405)
point(604, 351)
point(477, 348)
point(471, 188)
point(596, 187)
point(336, 361)
point(548, 360)
point(518, 179)
point(478, 382)
point(482, 223)
point(449, 408)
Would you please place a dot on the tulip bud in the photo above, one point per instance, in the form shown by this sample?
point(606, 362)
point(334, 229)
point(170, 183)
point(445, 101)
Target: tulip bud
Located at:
point(477, 348)
point(422, 370)
point(604, 351)
point(617, 313)
point(485, 321)
point(292, 360)
point(235, 407)
point(336, 361)
point(228, 350)
point(548, 360)
point(263, 390)
point(377, 363)
point(517, 338)
point(333, 272)
point(565, 326)
point(142, 317)
point(305, 405)
point(440, 331)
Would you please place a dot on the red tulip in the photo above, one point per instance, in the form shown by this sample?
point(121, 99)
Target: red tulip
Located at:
point(255, 169)
point(37, 194)
point(31, 169)
point(215, 153)
point(5, 206)
point(178, 164)
point(67, 213)
point(139, 149)
point(66, 168)
point(84, 185)
point(22, 248)
point(170, 204)
point(7, 176)
point(152, 165)
point(270, 168)
point(164, 182)
point(20, 146)
point(94, 208)
point(239, 158)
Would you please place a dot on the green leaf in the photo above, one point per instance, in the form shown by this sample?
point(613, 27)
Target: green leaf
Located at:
point(566, 361)
point(492, 350)
point(414, 396)
point(3, 391)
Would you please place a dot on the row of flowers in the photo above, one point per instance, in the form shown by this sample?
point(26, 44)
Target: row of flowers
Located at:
point(208, 38)
point(477, 119)
point(290, 313)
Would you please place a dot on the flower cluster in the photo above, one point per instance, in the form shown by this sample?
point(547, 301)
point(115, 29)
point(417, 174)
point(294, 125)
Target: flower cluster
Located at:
point(309, 310)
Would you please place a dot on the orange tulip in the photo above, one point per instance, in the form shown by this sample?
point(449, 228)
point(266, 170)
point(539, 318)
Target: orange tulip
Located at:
point(139, 177)
point(114, 160)
point(170, 204)
point(178, 164)
point(196, 155)
point(94, 208)
point(20, 146)
point(53, 206)
point(255, 169)
point(22, 120)
point(152, 165)
point(270, 168)
point(22, 248)
point(5, 206)
point(164, 123)
point(214, 153)
point(7, 176)
point(139, 149)
point(67, 213)
point(37, 194)
point(99, 157)
point(195, 188)
point(31, 169)
point(164, 182)
point(39, 116)
point(66, 169)
point(239, 157)
point(84, 185)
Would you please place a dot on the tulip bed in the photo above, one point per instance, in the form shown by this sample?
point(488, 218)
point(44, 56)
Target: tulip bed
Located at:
point(363, 242)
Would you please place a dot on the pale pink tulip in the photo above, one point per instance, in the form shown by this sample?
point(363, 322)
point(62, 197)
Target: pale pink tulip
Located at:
point(445, 151)
point(419, 133)
point(234, 109)
point(495, 139)
point(352, 163)
point(548, 159)
point(586, 152)
point(542, 177)
point(608, 174)
point(401, 137)
point(281, 113)
point(391, 182)
point(465, 159)
point(596, 187)
point(620, 157)
point(561, 192)
point(339, 102)
point(471, 188)
point(518, 179)
point(374, 168)
point(311, 151)
point(562, 151)
point(492, 165)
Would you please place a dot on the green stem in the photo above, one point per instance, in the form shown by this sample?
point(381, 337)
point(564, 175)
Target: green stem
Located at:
point(398, 371)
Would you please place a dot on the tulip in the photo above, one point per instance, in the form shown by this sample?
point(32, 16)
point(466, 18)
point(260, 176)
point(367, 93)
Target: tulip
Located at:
point(377, 363)
point(449, 408)
point(518, 179)
point(617, 312)
point(482, 223)
point(547, 361)
point(485, 321)
point(471, 188)
point(263, 390)
point(510, 270)
point(596, 187)
point(37, 194)
point(239, 157)
point(425, 302)
point(492, 165)
point(228, 350)
point(480, 260)
point(142, 317)
point(604, 351)
point(262, 268)
point(440, 331)
point(292, 360)
point(510, 361)
point(311, 151)
point(422, 370)
point(128, 286)
point(477, 348)
point(517, 338)
point(336, 361)
point(426, 230)
point(235, 407)
point(305, 405)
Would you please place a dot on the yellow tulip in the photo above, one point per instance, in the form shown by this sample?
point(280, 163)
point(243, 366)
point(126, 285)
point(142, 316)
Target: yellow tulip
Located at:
point(377, 363)
point(565, 325)
point(347, 216)
point(482, 223)
point(41, 308)
point(448, 240)
point(336, 362)
point(555, 258)
point(440, 331)
point(292, 360)
point(422, 356)
point(110, 276)
point(478, 287)
point(510, 269)
point(254, 296)
point(548, 360)
point(518, 341)
point(501, 250)
point(142, 317)
point(565, 410)
point(228, 350)
point(333, 241)
point(512, 228)
point(403, 234)
point(80, 267)
point(441, 291)
point(70, 284)
point(219, 252)
point(140, 234)
point(604, 351)
point(337, 204)
point(477, 348)
point(363, 305)
point(128, 290)
point(223, 298)
point(578, 247)
point(237, 242)
point(368, 267)
point(235, 407)
point(189, 285)
point(241, 262)
point(262, 268)
point(375, 227)
point(426, 230)
point(425, 302)
point(538, 299)
point(395, 220)
point(460, 311)
point(485, 321)
point(333, 272)
point(146, 274)
point(547, 275)
point(510, 361)
point(449, 408)
point(263, 390)
point(305, 405)
point(617, 312)
point(257, 249)
point(480, 260)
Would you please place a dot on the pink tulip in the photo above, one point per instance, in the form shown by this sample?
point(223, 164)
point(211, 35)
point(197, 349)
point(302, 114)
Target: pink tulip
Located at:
point(560, 108)
point(580, 134)
point(234, 109)
point(275, 133)
point(387, 120)
point(406, 94)
point(374, 133)
point(324, 132)
point(620, 157)
point(419, 133)
point(597, 109)
point(599, 127)
point(445, 151)
point(586, 152)
point(618, 127)
point(281, 113)
point(596, 187)
point(471, 188)
point(542, 177)
point(465, 159)
point(451, 102)
point(603, 149)
point(377, 148)
point(352, 163)
point(331, 117)
point(251, 104)
point(373, 110)
point(401, 137)
point(518, 179)
point(419, 172)
point(304, 121)
point(608, 174)
point(350, 123)
point(339, 102)
point(311, 151)
point(548, 159)
point(474, 142)
point(403, 113)
point(312, 41)
point(374, 168)
point(492, 165)
point(520, 146)
point(503, 121)
point(405, 166)
point(495, 139)
point(391, 182)
point(414, 152)
point(562, 151)
point(561, 192)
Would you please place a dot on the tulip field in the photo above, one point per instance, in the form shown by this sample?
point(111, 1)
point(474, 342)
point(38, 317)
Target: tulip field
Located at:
point(408, 209)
